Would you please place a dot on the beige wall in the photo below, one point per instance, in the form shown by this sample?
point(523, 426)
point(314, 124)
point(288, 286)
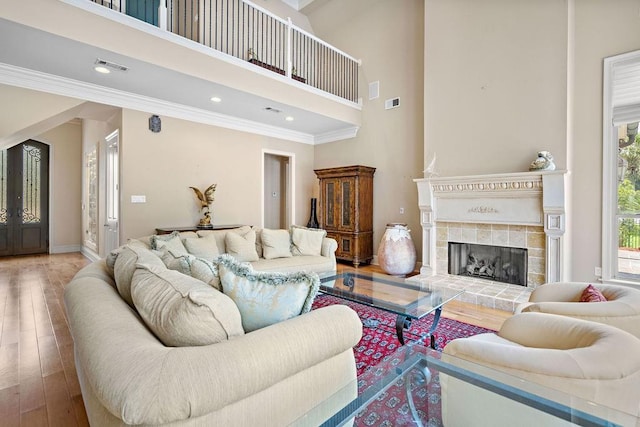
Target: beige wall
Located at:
point(495, 84)
point(65, 186)
point(514, 77)
point(162, 166)
point(388, 37)
point(25, 108)
point(602, 29)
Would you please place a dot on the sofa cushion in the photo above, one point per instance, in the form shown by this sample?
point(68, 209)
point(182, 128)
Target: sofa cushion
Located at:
point(275, 243)
point(306, 241)
point(202, 247)
point(205, 271)
point(181, 310)
point(242, 246)
point(170, 241)
point(125, 265)
point(266, 298)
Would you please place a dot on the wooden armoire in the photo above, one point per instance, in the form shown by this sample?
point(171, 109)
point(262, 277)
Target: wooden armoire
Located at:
point(346, 210)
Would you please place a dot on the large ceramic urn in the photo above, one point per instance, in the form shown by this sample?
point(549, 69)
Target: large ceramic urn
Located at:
point(397, 253)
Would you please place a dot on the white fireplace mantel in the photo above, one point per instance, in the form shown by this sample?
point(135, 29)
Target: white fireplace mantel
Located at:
point(527, 198)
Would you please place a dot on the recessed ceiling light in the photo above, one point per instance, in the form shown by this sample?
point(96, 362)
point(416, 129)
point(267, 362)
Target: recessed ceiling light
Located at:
point(289, 118)
point(105, 67)
point(216, 99)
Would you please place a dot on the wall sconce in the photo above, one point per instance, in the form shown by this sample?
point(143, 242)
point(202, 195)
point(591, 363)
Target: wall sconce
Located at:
point(155, 124)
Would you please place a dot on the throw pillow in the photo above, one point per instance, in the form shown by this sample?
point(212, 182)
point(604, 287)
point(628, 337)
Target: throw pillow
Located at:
point(170, 241)
point(205, 271)
point(276, 244)
point(266, 298)
point(173, 261)
point(306, 241)
point(592, 294)
point(125, 265)
point(219, 235)
point(202, 247)
point(181, 310)
point(242, 247)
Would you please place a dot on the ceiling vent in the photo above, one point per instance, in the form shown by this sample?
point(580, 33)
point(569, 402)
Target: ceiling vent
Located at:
point(111, 65)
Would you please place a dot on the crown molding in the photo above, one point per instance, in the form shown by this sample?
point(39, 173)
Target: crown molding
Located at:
point(35, 80)
point(336, 135)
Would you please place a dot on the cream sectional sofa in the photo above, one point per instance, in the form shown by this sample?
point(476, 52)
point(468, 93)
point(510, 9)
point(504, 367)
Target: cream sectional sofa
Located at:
point(318, 251)
point(269, 376)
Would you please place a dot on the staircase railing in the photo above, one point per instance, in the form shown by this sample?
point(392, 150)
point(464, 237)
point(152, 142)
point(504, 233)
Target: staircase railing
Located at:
point(245, 30)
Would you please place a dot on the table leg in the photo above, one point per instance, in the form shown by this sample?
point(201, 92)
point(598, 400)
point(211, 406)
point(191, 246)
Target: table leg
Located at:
point(422, 376)
point(434, 325)
point(402, 323)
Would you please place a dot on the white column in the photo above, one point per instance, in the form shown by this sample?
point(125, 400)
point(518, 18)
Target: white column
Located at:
point(553, 206)
point(427, 221)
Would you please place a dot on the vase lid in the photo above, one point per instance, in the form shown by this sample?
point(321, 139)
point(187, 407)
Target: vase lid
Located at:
point(396, 224)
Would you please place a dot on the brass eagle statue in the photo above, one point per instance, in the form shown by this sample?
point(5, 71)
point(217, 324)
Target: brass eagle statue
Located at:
point(205, 200)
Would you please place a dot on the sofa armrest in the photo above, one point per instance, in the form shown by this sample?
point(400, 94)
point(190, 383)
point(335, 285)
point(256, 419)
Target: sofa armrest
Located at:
point(141, 381)
point(329, 247)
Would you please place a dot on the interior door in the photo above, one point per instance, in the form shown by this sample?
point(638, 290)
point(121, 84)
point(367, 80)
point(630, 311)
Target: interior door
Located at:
point(24, 199)
point(277, 189)
point(112, 205)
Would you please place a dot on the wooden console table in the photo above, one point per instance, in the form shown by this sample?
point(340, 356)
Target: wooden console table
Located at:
point(169, 230)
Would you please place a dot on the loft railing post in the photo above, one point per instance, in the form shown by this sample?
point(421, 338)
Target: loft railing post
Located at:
point(162, 14)
point(289, 46)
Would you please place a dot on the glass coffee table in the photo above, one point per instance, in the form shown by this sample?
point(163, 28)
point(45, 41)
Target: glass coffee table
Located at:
point(422, 387)
point(391, 294)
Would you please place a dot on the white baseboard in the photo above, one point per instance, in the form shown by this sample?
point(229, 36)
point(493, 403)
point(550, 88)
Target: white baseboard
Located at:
point(64, 249)
point(90, 254)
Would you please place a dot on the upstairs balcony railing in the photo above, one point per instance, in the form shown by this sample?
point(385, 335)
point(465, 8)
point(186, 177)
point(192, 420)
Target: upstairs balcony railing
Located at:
point(244, 30)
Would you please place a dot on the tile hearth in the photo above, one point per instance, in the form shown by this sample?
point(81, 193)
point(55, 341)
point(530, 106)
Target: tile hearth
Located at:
point(486, 293)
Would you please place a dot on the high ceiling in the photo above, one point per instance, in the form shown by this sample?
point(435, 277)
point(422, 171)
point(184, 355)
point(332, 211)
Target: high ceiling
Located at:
point(63, 61)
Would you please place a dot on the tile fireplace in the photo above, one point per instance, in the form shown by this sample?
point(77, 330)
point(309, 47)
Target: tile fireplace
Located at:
point(523, 212)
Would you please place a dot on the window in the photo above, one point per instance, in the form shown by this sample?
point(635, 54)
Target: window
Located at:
point(621, 169)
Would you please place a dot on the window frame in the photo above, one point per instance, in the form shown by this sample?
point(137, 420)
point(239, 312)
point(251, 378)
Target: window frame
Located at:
point(610, 273)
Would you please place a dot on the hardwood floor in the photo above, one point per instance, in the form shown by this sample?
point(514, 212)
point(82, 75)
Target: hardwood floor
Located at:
point(38, 382)
point(456, 310)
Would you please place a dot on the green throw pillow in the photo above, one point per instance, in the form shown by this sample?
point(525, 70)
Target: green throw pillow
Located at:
point(266, 298)
point(170, 241)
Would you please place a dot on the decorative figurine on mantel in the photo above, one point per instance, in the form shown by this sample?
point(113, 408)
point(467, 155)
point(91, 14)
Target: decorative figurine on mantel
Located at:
point(544, 162)
point(205, 200)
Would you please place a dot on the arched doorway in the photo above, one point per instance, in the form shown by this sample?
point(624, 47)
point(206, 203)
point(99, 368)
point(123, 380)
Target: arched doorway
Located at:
point(24, 199)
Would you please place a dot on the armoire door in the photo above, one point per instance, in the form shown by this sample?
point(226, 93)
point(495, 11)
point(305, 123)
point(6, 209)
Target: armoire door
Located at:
point(24, 199)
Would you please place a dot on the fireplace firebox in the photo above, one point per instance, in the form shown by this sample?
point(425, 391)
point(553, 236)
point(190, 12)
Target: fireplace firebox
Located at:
point(498, 263)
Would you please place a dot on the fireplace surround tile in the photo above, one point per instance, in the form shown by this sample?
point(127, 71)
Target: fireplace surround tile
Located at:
point(482, 292)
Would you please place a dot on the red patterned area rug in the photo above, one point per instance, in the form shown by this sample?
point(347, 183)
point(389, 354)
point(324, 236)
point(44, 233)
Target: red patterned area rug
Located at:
point(377, 352)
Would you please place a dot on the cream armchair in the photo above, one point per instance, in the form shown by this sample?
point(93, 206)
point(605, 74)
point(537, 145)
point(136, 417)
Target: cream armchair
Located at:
point(585, 359)
point(622, 308)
